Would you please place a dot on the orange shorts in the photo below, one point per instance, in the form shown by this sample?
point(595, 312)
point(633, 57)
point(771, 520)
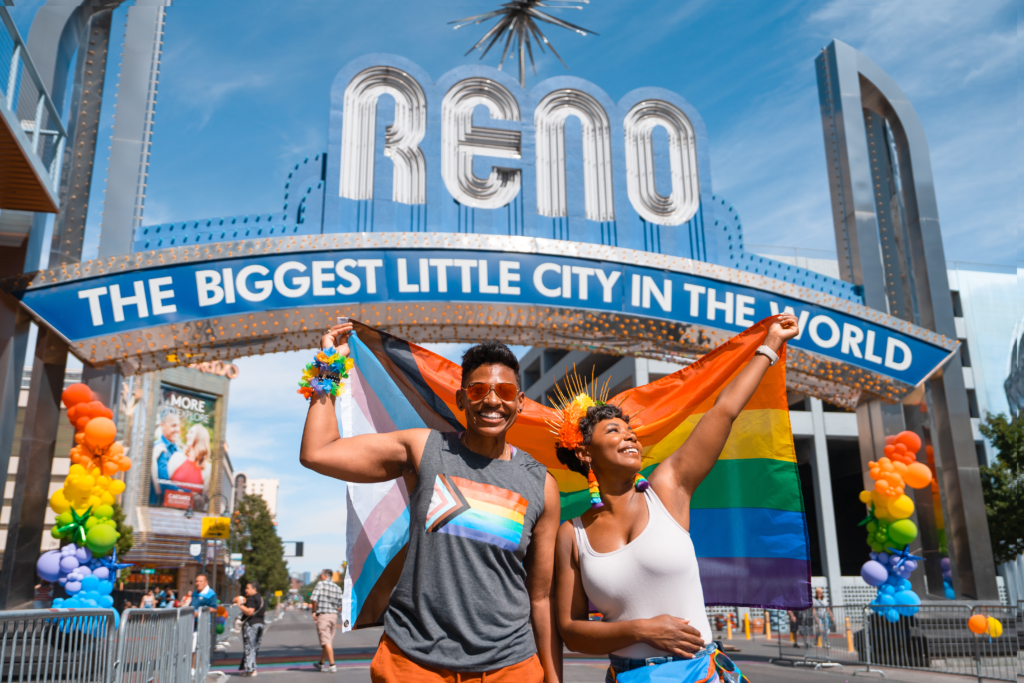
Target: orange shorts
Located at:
point(390, 665)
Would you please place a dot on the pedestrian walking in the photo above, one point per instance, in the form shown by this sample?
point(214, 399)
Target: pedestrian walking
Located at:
point(43, 596)
point(326, 601)
point(823, 618)
point(253, 612)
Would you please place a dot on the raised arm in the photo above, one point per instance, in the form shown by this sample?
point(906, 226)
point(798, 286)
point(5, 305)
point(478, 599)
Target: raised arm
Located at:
point(361, 459)
point(665, 633)
point(540, 582)
point(685, 469)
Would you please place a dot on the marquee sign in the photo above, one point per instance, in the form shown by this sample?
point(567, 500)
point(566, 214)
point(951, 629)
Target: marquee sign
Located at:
point(475, 152)
point(191, 305)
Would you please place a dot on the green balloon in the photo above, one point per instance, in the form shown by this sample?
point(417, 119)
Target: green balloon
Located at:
point(219, 628)
point(104, 511)
point(902, 532)
point(64, 518)
point(100, 539)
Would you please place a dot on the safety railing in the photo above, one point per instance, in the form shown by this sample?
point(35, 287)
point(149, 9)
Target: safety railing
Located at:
point(201, 664)
point(926, 637)
point(66, 645)
point(26, 100)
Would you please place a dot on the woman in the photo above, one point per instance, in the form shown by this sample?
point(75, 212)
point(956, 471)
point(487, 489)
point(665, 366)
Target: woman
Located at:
point(148, 601)
point(253, 610)
point(194, 469)
point(631, 553)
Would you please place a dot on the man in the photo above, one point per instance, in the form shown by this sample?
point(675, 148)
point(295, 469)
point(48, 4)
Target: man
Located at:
point(478, 572)
point(325, 601)
point(165, 449)
point(253, 611)
point(204, 595)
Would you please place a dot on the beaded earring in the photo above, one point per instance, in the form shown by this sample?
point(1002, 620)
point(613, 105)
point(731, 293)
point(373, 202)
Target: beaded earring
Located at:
point(595, 492)
point(640, 482)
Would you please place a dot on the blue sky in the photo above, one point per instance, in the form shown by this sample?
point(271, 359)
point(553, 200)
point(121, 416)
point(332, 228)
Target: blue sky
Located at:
point(244, 96)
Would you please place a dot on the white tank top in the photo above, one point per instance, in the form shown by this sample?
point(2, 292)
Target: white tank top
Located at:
point(654, 574)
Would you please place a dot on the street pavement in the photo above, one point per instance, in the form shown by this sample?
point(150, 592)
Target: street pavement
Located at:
point(290, 648)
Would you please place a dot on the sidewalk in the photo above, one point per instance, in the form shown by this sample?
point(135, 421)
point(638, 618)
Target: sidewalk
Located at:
point(290, 649)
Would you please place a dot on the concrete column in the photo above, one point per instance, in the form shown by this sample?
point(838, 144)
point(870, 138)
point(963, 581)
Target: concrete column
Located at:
point(824, 507)
point(32, 482)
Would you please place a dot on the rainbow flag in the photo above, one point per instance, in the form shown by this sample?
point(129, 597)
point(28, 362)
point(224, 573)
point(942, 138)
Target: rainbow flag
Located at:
point(746, 519)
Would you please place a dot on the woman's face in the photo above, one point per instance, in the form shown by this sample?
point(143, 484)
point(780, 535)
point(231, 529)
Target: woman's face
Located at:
point(614, 446)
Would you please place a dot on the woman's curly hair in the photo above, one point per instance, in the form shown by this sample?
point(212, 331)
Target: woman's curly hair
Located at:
point(588, 422)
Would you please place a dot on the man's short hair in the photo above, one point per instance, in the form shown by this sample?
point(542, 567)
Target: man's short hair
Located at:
point(329, 572)
point(166, 412)
point(490, 352)
point(204, 576)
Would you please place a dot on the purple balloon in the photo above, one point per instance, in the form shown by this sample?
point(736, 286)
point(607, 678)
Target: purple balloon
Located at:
point(72, 587)
point(883, 558)
point(68, 550)
point(69, 563)
point(874, 573)
point(84, 570)
point(945, 563)
point(101, 573)
point(83, 554)
point(48, 565)
point(911, 564)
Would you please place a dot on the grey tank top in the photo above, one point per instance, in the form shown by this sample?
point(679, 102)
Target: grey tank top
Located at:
point(461, 602)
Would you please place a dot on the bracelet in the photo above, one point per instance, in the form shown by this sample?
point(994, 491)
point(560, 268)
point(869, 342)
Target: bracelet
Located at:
point(323, 376)
point(772, 357)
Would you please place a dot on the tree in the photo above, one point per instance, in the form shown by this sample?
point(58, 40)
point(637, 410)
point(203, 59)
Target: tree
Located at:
point(1003, 486)
point(265, 562)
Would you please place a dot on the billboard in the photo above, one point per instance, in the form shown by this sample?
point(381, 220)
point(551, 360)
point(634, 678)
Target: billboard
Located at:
point(184, 451)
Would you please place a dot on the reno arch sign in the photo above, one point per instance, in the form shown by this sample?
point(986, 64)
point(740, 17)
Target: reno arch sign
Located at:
point(469, 208)
point(474, 152)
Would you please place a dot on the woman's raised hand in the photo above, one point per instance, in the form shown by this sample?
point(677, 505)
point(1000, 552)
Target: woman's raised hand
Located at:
point(337, 337)
point(671, 634)
point(781, 331)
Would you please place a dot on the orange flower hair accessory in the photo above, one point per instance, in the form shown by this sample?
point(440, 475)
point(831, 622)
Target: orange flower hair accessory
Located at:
point(571, 406)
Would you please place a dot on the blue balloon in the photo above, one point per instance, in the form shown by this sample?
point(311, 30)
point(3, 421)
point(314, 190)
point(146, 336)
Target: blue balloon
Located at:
point(950, 594)
point(887, 589)
point(892, 616)
point(883, 558)
point(106, 601)
point(907, 603)
point(90, 583)
point(105, 588)
point(886, 599)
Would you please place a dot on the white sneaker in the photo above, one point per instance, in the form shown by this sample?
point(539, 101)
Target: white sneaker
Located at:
point(329, 669)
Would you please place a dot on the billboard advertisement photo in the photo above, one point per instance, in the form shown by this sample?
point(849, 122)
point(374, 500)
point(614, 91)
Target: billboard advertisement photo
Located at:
point(184, 447)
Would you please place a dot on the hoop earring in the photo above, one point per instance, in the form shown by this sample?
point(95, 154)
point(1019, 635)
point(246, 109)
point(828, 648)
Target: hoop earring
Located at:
point(640, 483)
point(595, 491)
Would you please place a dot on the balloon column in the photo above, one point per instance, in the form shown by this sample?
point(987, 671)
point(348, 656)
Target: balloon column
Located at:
point(84, 506)
point(222, 617)
point(890, 531)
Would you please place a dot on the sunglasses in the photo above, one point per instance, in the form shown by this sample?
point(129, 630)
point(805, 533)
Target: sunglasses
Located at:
point(506, 391)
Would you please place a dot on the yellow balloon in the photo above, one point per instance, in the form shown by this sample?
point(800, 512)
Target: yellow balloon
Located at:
point(58, 503)
point(865, 497)
point(901, 508)
point(995, 627)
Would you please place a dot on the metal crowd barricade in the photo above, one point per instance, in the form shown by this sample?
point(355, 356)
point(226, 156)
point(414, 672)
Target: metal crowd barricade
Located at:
point(66, 645)
point(819, 636)
point(201, 666)
point(938, 639)
point(156, 645)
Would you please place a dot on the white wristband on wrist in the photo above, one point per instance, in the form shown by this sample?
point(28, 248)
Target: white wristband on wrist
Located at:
point(772, 357)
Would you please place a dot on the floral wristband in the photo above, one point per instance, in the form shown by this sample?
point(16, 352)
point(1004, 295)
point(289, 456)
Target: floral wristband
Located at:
point(323, 376)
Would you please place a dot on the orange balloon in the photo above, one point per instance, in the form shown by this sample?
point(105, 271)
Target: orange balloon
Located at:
point(75, 394)
point(899, 448)
point(929, 451)
point(110, 468)
point(100, 432)
point(890, 440)
point(894, 479)
point(126, 463)
point(910, 441)
point(978, 624)
point(918, 475)
point(899, 468)
point(882, 487)
point(889, 451)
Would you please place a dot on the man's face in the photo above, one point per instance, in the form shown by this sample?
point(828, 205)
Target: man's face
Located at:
point(250, 590)
point(490, 416)
point(171, 428)
point(201, 583)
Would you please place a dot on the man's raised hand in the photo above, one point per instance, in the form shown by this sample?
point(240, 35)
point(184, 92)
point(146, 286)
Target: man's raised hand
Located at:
point(337, 337)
